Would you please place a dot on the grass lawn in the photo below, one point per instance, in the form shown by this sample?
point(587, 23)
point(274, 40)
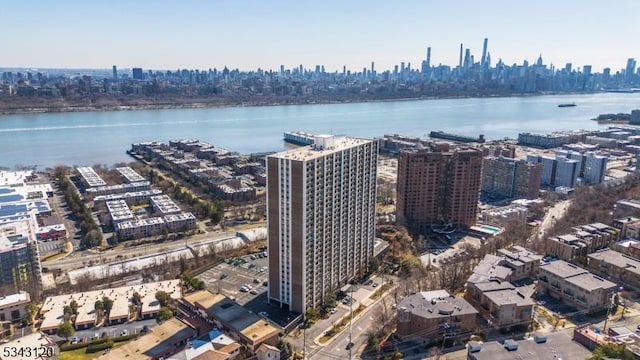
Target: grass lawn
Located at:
point(81, 354)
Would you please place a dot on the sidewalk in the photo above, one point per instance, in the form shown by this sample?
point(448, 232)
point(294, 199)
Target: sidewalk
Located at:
point(371, 303)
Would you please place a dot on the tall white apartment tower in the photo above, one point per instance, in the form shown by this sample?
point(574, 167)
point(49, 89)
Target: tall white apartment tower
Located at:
point(320, 218)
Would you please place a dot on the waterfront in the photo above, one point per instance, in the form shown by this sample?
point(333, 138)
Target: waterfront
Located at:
point(91, 138)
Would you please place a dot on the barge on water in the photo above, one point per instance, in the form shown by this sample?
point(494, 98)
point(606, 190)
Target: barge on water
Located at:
point(299, 137)
point(454, 137)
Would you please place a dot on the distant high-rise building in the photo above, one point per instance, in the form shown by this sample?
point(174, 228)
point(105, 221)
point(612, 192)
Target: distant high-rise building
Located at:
point(429, 57)
point(460, 61)
point(373, 68)
point(438, 187)
point(483, 61)
point(320, 218)
point(115, 73)
point(539, 61)
point(595, 168)
point(568, 67)
point(467, 59)
point(586, 70)
point(137, 73)
point(558, 171)
point(630, 70)
point(510, 178)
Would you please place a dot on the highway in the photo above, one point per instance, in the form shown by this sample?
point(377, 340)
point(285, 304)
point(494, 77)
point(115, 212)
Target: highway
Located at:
point(80, 259)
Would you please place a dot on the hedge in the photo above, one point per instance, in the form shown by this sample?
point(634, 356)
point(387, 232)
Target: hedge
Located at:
point(125, 338)
point(68, 347)
point(99, 347)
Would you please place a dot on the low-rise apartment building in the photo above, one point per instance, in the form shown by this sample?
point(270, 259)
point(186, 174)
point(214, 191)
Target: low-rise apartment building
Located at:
point(574, 285)
point(13, 307)
point(623, 269)
point(489, 288)
point(584, 240)
point(430, 314)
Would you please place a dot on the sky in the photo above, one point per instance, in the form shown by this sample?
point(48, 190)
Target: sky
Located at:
point(251, 34)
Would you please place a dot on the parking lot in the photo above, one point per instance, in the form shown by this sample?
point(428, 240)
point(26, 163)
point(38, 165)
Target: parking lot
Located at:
point(442, 251)
point(236, 275)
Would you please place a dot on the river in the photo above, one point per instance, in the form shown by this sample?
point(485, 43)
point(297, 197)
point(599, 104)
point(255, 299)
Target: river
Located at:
point(89, 138)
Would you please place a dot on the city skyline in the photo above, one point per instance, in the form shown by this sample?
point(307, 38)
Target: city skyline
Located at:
point(251, 35)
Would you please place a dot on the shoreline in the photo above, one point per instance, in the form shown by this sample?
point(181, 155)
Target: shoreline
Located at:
point(176, 104)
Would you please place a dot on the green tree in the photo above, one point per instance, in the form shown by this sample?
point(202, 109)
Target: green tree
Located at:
point(373, 342)
point(330, 301)
point(98, 307)
point(163, 298)
point(32, 310)
point(611, 351)
point(136, 299)
point(164, 314)
point(66, 311)
point(108, 305)
point(73, 305)
point(374, 264)
point(65, 330)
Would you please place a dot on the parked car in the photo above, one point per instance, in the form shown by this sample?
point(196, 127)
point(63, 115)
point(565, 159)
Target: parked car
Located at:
point(253, 292)
point(124, 332)
point(75, 340)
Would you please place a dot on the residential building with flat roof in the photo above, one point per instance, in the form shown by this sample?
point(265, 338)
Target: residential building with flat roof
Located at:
point(438, 188)
point(19, 257)
point(90, 178)
point(510, 178)
point(164, 205)
point(13, 306)
point(584, 240)
point(117, 189)
point(52, 309)
point(161, 342)
point(239, 322)
point(320, 217)
point(621, 268)
point(40, 345)
point(129, 175)
point(489, 288)
point(550, 346)
point(574, 285)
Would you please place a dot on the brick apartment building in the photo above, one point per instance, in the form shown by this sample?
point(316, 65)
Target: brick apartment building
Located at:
point(437, 187)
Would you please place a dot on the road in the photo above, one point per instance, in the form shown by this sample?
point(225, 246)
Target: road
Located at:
point(336, 349)
point(554, 213)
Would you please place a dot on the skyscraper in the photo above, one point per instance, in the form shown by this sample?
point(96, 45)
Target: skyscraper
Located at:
point(115, 73)
point(438, 187)
point(483, 61)
point(429, 57)
point(136, 73)
point(320, 218)
point(460, 61)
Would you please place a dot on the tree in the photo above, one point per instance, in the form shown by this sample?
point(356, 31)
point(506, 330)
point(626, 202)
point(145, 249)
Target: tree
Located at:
point(373, 343)
point(136, 299)
point(74, 307)
point(65, 330)
point(99, 306)
point(163, 298)
point(164, 314)
point(330, 300)
point(108, 305)
point(374, 264)
point(32, 310)
point(66, 311)
point(611, 350)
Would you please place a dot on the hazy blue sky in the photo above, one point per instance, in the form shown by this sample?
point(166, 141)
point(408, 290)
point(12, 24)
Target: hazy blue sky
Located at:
point(267, 33)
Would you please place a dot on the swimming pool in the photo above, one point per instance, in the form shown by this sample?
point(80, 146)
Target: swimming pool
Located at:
point(492, 229)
